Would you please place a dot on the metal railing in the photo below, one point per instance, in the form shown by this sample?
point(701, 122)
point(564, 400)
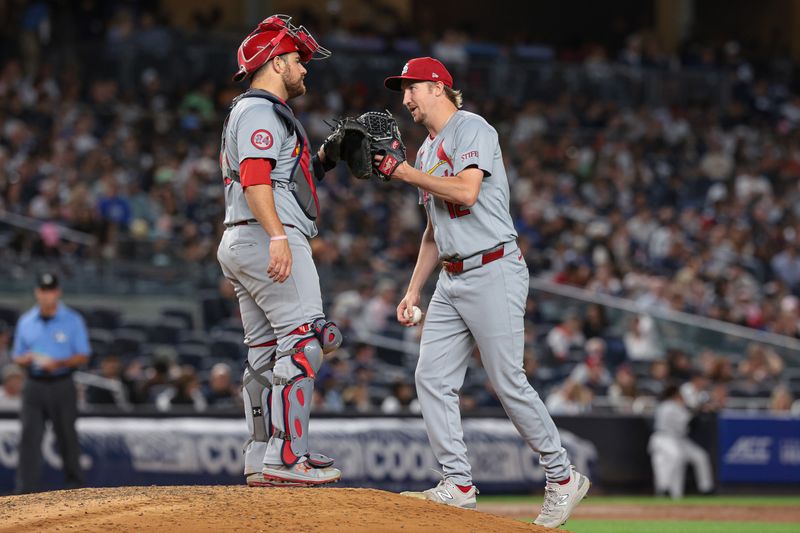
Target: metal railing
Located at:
point(115, 387)
point(675, 329)
point(35, 226)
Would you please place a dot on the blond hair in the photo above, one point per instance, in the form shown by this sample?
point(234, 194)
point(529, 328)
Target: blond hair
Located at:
point(454, 96)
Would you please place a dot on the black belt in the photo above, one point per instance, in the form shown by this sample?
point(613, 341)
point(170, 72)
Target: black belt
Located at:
point(49, 377)
point(242, 223)
point(250, 222)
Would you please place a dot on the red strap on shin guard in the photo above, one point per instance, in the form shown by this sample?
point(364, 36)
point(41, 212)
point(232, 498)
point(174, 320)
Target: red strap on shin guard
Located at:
point(287, 455)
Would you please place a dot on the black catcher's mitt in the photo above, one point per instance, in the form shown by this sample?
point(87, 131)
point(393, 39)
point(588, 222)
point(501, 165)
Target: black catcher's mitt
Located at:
point(350, 142)
point(385, 140)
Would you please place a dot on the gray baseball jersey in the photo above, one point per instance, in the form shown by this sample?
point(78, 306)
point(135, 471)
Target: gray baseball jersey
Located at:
point(467, 140)
point(483, 304)
point(255, 131)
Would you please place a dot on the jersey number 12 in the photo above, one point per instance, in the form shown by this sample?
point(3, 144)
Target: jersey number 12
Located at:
point(457, 210)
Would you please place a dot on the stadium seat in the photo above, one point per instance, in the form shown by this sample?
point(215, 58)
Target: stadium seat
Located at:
point(138, 325)
point(99, 317)
point(184, 316)
point(166, 331)
point(9, 315)
point(227, 346)
point(193, 357)
point(127, 343)
point(231, 324)
point(100, 341)
point(197, 337)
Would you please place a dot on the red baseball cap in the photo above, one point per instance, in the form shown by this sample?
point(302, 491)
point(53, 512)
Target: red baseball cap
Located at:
point(421, 69)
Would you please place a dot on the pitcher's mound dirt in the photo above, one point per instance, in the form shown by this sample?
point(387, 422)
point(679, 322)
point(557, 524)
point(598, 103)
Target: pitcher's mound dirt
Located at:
point(222, 508)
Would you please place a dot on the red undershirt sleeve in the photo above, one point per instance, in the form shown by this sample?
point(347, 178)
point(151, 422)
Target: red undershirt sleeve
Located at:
point(255, 172)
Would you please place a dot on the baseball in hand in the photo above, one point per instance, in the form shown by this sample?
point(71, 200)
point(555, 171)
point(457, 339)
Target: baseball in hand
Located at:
point(414, 314)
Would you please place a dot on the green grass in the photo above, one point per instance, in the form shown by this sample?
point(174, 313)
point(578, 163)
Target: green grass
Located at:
point(684, 526)
point(787, 501)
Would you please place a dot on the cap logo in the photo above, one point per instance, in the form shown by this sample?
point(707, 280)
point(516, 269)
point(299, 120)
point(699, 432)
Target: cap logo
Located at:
point(405, 69)
point(434, 75)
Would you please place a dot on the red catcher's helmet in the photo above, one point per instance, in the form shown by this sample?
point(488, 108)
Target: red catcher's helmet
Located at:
point(274, 36)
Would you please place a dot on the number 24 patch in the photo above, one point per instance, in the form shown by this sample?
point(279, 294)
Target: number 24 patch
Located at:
point(261, 139)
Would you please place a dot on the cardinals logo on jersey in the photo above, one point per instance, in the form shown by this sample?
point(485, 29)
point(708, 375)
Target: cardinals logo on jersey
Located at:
point(443, 159)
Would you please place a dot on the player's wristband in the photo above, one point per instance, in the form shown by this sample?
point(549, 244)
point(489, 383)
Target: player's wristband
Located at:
point(279, 238)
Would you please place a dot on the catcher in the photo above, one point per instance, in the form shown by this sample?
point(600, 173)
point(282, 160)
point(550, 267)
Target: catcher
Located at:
point(271, 206)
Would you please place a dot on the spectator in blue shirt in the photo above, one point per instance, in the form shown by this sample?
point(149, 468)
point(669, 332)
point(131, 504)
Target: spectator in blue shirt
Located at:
point(113, 206)
point(51, 342)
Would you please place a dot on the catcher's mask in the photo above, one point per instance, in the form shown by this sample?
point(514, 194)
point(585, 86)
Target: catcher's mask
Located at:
point(274, 36)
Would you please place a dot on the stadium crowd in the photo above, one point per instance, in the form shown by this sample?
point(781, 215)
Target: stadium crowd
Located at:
point(691, 206)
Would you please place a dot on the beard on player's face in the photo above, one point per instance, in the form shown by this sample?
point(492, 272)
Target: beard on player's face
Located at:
point(293, 82)
point(292, 75)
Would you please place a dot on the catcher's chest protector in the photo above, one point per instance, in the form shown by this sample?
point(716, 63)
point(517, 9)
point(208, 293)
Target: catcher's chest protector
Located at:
point(302, 182)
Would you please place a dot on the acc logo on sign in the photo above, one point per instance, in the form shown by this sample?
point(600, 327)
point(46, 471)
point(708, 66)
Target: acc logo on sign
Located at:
point(261, 139)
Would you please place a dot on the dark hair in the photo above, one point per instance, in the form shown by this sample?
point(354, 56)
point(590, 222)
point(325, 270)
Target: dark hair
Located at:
point(670, 391)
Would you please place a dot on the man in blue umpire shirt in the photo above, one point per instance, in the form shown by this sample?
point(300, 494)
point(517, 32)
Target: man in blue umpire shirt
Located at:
point(51, 342)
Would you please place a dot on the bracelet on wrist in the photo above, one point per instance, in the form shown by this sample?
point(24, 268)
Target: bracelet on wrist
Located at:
point(279, 238)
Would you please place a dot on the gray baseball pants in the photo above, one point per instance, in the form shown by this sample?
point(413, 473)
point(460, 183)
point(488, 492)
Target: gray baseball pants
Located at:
point(483, 306)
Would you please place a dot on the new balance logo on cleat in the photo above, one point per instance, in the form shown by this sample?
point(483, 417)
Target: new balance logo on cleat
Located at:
point(561, 500)
point(447, 493)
